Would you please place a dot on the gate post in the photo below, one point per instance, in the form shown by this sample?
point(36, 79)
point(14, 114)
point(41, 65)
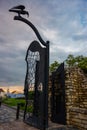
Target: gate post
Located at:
point(18, 110)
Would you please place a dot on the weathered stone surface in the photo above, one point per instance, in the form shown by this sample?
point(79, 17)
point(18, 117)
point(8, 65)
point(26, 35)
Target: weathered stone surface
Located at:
point(76, 97)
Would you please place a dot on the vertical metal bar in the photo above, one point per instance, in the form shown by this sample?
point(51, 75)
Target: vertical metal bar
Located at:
point(25, 109)
point(52, 98)
point(18, 110)
point(0, 103)
point(46, 87)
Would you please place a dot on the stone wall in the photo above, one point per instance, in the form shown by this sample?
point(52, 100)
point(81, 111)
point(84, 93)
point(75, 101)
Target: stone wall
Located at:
point(76, 97)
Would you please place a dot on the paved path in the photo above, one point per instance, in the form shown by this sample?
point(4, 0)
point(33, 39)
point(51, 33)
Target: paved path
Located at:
point(8, 121)
point(7, 114)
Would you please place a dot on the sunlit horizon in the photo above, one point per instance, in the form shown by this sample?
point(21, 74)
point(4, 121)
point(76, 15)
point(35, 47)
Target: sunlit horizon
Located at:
point(13, 88)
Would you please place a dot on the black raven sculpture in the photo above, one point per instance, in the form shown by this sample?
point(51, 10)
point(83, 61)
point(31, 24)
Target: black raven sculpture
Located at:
point(20, 10)
point(21, 7)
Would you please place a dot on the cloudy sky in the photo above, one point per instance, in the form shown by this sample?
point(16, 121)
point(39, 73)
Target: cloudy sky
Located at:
point(62, 22)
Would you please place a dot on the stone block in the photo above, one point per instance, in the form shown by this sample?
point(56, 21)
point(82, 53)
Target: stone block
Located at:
point(83, 117)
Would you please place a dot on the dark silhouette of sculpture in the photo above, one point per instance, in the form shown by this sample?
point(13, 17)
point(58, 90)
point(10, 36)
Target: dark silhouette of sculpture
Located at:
point(22, 7)
point(20, 10)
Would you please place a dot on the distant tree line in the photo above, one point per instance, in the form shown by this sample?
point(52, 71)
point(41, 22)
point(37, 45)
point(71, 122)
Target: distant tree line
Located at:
point(80, 61)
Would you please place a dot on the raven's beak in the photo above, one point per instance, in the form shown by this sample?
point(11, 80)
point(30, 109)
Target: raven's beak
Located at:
point(11, 10)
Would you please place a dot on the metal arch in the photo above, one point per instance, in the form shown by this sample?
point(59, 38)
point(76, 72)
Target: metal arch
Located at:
point(33, 27)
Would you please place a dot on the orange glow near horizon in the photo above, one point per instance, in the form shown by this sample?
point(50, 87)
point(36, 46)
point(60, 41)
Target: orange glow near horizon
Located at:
point(12, 88)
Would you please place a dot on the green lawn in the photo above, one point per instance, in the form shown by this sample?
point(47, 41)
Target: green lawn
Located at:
point(13, 101)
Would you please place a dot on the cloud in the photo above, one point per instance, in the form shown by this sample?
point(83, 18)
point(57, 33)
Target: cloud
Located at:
point(63, 23)
point(80, 37)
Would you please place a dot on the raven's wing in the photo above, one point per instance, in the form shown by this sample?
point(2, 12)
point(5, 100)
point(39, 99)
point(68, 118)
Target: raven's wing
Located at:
point(22, 7)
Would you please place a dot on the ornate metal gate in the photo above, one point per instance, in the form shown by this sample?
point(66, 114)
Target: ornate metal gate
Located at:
point(58, 111)
point(37, 59)
point(35, 80)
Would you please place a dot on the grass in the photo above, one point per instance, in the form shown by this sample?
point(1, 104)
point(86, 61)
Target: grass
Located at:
point(13, 101)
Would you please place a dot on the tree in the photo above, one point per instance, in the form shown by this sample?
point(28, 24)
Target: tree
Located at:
point(70, 60)
point(54, 66)
point(83, 64)
point(80, 61)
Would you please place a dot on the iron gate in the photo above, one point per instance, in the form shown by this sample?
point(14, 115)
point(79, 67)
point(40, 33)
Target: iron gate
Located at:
point(37, 59)
point(36, 80)
point(58, 112)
